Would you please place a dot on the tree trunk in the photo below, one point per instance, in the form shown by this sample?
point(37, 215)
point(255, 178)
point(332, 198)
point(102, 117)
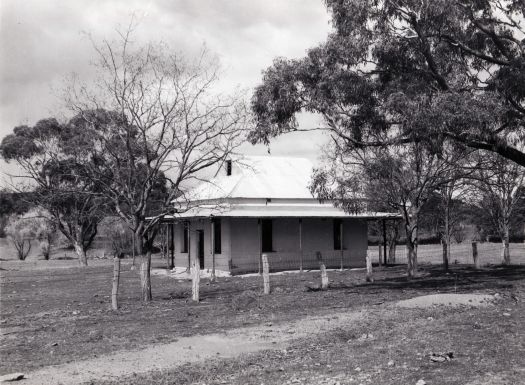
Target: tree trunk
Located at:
point(116, 278)
point(411, 226)
point(446, 237)
point(411, 260)
point(145, 277)
point(82, 257)
point(392, 253)
point(134, 250)
point(505, 251)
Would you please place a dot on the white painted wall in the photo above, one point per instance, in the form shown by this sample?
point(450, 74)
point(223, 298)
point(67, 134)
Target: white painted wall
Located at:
point(240, 242)
point(317, 236)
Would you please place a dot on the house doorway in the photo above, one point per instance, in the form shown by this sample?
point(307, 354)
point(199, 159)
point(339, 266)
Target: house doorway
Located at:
point(200, 248)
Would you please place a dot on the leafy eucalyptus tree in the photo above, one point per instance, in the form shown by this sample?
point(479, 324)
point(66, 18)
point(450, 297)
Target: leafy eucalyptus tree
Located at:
point(394, 72)
point(55, 171)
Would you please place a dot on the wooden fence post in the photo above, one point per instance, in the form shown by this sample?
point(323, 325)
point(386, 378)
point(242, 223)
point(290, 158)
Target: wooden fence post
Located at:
point(369, 277)
point(266, 273)
point(116, 277)
point(322, 268)
point(195, 280)
point(475, 255)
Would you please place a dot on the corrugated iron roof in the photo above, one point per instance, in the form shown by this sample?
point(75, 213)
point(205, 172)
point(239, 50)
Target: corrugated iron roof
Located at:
point(259, 177)
point(262, 186)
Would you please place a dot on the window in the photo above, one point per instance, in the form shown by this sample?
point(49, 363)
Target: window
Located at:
point(185, 229)
point(337, 234)
point(266, 228)
point(217, 235)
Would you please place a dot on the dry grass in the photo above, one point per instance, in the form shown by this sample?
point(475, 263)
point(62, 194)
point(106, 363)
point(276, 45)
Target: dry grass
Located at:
point(486, 345)
point(61, 315)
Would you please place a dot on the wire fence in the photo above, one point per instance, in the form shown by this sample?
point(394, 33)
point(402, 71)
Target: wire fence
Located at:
point(488, 253)
point(459, 253)
point(295, 261)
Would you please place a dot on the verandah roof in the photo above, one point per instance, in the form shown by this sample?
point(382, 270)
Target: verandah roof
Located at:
point(319, 210)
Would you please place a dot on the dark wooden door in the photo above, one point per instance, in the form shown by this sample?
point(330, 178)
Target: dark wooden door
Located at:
point(200, 248)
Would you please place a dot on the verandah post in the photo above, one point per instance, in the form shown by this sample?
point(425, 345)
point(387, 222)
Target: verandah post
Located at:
point(384, 242)
point(212, 250)
point(342, 244)
point(259, 232)
point(171, 237)
point(189, 244)
point(300, 245)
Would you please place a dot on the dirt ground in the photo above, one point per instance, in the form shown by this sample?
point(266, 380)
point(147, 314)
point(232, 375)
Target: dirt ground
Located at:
point(58, 316)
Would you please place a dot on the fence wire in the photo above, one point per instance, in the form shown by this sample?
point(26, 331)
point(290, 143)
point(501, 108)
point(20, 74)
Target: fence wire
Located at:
point(459, 253)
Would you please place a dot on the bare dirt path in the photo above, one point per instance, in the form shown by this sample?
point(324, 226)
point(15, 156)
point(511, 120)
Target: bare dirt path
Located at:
point(188, 350)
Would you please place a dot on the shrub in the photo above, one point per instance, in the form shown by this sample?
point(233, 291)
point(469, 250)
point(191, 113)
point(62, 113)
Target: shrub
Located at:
point(21, 231)
point(33, 225)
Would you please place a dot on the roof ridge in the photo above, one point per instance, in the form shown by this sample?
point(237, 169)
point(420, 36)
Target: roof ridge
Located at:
point(241, 176)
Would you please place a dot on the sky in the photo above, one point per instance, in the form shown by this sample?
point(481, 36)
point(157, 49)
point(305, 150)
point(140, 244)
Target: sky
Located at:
point(44, 41)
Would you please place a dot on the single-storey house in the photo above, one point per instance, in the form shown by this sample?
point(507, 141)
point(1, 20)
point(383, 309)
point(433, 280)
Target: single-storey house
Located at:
point(262, 204)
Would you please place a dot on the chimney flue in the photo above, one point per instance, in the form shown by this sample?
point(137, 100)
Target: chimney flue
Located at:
point(228, 167)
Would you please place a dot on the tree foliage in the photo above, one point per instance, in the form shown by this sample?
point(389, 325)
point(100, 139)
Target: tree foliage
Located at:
point(394, 72)
point(55, 158)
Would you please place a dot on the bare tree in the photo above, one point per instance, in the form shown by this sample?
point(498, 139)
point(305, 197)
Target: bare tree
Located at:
point(164, 123)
